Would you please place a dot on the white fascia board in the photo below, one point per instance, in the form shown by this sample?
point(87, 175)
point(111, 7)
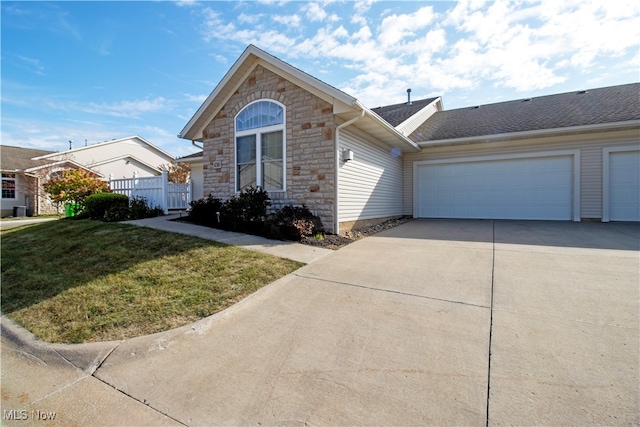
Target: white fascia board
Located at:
point(62, 162)
point(393, 131)
point(101, 144)
point(319, 88)
point(539, 133)
point(207, 102)
point(412, 123)
point(302, 79)
point(190, 159)
point(126, 156)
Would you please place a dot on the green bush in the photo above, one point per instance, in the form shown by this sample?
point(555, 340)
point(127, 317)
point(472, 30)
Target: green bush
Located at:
point(205, 211)
point(292, 223)
point(116, 213)
point(139, 208)
point(245, 212)
point(98, 204)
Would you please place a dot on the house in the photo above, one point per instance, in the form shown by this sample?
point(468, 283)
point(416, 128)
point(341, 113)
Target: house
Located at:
point(118, 158)
point(23, 173)
point(25, 170)
point(571, 156)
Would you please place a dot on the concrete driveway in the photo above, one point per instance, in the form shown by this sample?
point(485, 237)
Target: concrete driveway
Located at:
point(429, 323)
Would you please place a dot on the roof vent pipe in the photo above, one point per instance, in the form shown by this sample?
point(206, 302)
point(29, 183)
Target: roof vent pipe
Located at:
point(70, 145)
point(408, 96)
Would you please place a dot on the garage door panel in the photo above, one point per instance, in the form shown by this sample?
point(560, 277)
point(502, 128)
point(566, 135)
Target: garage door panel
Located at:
point(624, 186)
point(538, 188)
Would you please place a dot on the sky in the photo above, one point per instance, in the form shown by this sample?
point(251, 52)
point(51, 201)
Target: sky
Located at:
point(96, 71)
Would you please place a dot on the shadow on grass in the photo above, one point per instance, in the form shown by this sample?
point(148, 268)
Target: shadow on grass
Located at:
point(92, 276)
point(40, 261)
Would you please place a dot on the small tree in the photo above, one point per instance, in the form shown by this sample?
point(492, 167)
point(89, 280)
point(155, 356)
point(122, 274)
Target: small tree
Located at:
point(178, 173)
point(74, 186)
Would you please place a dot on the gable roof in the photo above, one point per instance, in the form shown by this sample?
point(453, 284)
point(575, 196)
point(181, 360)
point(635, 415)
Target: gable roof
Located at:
point(18, 158)
point(397, 113)
point(558, 112)
point(193, 157)
point(64, 163)
point(113, 141)
point(344, 105)
point(250, 58)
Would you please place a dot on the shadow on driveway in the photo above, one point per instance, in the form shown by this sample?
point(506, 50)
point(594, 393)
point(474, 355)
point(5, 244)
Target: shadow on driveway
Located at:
point(593, 235)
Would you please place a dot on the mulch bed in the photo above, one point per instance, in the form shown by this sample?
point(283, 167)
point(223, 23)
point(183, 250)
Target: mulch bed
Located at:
point(336, 241)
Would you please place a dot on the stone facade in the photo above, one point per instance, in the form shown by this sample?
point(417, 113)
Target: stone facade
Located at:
point(309, 157)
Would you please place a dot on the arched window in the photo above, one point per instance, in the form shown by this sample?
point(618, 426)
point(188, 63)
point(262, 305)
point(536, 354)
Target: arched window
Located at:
point(260, 135)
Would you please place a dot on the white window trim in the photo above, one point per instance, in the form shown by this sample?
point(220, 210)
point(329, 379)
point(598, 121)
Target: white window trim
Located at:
point(606, 201)
point(514, 156)
point(15, 186)
point(258, 131)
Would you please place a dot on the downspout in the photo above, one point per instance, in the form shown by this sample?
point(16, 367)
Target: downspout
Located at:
point(336, 194)
point(196, 145)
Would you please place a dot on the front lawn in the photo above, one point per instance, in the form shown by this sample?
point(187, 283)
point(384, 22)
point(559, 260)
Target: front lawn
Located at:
point(75, 281)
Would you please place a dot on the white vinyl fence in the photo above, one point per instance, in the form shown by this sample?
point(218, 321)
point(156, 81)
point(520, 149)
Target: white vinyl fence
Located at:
point(157, 190)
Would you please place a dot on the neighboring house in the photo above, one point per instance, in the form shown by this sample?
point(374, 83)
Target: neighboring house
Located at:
point(23, 176)
point(570, 156)
point(118, 158)
point(24, 170)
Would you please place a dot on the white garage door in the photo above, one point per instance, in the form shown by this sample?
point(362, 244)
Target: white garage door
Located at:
point(524, 188)
point(624, 186)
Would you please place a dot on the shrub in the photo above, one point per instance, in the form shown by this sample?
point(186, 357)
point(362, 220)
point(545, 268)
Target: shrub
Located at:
point(292, 223)
point(98, 204)
point(116, 213)
point(245, 212)
point(204, 211)
point(74, 186)
point(139, 208)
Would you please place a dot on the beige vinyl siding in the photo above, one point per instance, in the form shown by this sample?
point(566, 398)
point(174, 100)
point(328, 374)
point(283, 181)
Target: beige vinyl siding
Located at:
point(590, 146)
point(370, 185)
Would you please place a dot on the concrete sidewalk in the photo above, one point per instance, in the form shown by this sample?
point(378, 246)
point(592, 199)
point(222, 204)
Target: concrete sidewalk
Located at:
point(429, 323)
point(290, 250)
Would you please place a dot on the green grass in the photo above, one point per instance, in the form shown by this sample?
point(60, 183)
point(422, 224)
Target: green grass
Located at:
point(75, 281)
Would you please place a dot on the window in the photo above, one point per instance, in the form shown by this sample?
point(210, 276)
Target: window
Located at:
point(260, 135)
point(8, 185)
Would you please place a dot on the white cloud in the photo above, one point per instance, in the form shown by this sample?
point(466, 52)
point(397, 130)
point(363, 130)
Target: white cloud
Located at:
point(32, 64)
point(522, 46)
point(288, 20)
point(129, 109)
point(249, 19)
point(395, 28)
point(187, 3)
point(315, 13)
point(195, 98)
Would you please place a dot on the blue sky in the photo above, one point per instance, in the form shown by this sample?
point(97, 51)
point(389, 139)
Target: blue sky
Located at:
point(102, 70)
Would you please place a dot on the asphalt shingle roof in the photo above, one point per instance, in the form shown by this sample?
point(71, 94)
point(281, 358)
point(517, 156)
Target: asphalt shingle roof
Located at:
point(398, 113)
point(18, 158)
point(594, 106)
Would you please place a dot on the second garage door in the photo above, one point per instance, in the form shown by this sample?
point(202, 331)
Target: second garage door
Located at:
point(522, 188)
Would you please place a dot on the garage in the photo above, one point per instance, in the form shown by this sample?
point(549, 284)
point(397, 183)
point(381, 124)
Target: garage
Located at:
point(622, 168)
point(533, 186)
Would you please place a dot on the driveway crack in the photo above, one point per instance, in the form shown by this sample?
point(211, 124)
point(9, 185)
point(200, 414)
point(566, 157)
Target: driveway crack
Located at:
point(391, 291)
point(493, 275)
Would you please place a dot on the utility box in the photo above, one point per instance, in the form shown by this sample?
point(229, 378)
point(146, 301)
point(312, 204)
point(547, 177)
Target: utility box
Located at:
point(19, 211)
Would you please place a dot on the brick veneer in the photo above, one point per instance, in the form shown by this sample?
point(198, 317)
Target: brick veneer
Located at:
point(310, 127)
